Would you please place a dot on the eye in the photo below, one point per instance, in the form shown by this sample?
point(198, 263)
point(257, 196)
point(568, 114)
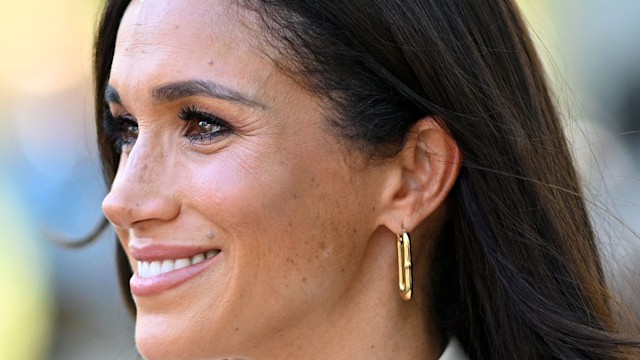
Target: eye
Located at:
point(122, 129)
point(207, 127)
point(202, 126)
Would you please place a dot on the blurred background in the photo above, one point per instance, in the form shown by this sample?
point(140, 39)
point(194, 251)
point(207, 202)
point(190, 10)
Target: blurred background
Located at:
point(58, 303)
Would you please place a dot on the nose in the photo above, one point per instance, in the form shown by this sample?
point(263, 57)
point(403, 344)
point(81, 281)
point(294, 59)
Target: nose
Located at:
point(141, 190)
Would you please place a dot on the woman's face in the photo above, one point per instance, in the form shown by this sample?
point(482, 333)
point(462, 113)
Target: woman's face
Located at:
point(225, 158)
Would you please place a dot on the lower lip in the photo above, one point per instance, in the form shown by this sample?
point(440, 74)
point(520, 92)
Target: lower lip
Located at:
point(157, 284)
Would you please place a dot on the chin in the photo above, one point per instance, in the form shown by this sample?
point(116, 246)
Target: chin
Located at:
point(160, 338)
point(159, 343)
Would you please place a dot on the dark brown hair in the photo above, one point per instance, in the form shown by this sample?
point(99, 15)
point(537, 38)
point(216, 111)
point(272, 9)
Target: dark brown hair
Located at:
point(518, 273)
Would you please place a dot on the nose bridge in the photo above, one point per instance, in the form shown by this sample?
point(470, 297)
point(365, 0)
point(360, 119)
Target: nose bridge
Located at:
point(142, 187)
point(141, 164)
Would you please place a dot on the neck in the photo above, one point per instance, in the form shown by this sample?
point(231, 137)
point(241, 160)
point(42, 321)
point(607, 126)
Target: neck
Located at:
point(370, 321)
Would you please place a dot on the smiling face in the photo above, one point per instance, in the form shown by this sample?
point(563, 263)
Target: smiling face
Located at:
point(244, 219)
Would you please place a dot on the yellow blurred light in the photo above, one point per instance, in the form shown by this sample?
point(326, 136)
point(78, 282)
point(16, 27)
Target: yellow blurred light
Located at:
point(25, 302)
point(544, 33)
point(46, 44)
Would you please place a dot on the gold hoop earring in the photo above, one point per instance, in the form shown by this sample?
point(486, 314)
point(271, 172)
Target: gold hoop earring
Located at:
point(405, 276)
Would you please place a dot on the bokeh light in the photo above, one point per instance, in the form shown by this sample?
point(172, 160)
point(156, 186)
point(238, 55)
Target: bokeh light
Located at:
point(25, 299)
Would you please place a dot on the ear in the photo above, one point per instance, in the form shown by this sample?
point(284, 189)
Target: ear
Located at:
point(421, 176)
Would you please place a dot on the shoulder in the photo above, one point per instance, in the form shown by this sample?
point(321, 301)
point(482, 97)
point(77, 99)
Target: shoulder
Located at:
point(454, 351)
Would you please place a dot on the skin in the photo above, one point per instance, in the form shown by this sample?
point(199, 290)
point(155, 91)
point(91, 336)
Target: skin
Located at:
point(306, 226)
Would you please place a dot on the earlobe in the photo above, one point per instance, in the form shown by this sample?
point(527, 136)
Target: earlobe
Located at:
point(428, 164)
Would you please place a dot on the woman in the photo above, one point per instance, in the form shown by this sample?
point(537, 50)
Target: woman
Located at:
point(268, 161)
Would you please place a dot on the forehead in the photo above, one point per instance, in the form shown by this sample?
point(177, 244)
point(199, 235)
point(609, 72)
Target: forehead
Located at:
point(163, 40)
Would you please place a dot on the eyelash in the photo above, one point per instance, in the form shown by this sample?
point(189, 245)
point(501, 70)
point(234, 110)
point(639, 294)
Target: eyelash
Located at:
point(196, 118)
point(123, 129)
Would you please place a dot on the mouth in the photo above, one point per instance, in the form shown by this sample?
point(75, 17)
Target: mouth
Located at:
point(149, 269)
point(162, 268)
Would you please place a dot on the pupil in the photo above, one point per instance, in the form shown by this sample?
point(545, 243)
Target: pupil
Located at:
point(205, 126)
point(132, 131)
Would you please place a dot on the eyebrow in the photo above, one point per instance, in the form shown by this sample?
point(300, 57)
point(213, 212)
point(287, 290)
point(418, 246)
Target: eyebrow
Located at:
point(181, 89)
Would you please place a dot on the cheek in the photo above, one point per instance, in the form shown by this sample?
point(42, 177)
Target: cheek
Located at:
point(284, 220)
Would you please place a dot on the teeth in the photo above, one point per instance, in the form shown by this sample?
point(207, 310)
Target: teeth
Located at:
point(198, 258)
point(167, 265)
point(182, 263)
point(148, 269)
point(154, 268)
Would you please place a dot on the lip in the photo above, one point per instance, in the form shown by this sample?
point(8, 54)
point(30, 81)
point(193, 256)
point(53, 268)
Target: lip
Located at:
point(155, 285)
point(165, 251)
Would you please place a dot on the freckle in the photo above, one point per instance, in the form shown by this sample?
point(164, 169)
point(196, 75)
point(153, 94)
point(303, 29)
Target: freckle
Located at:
point(355, 231)
point(373, 208)
point(294, 195)
point(304, 279)
point(323, 245)
point(342, 270)
point(236, 329)
point(177, 27)
point(290, 224)
point(210, 62)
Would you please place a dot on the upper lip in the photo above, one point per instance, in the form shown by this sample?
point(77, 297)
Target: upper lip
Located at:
point(157, 252)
